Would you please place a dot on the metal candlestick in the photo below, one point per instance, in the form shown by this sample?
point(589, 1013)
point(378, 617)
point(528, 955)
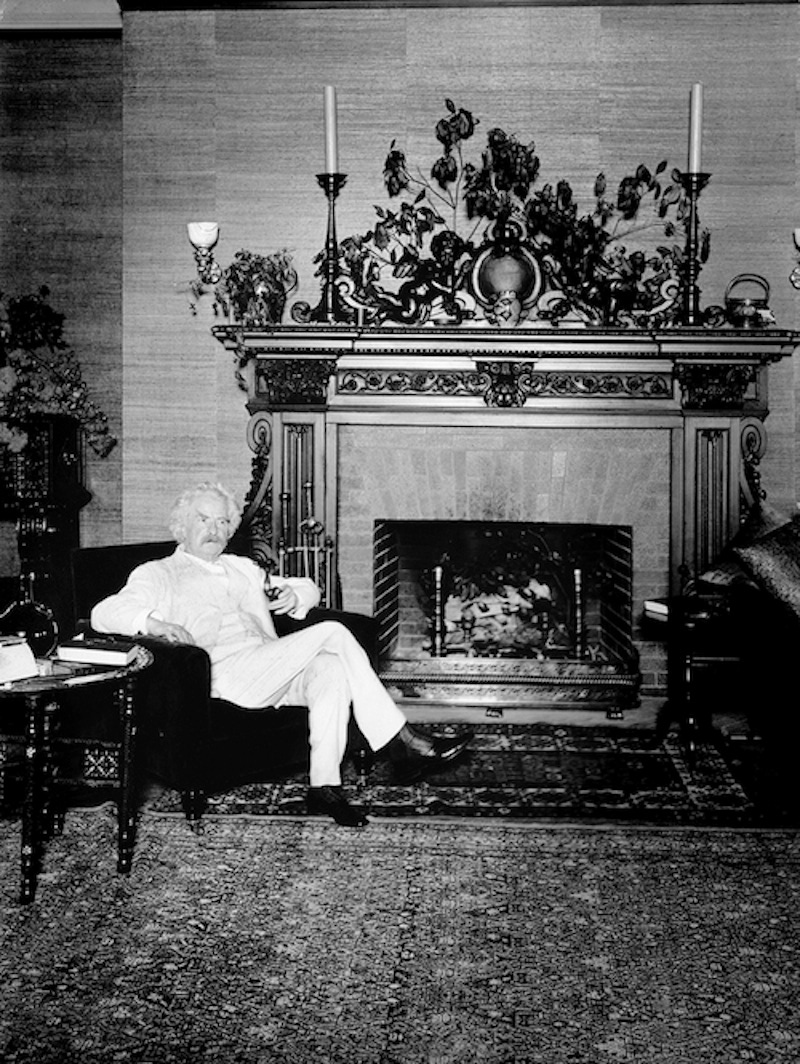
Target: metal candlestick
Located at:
point(580, 629)
point(329, 309)
point(693, 185)
point(438, 647)
point(284, 515)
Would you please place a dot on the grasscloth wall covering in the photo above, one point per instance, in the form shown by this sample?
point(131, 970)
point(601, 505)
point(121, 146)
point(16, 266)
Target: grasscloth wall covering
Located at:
point(220, 117)
point(61, 216)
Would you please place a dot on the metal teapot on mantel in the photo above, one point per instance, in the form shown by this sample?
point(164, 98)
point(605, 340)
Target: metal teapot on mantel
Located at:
point(747, 302)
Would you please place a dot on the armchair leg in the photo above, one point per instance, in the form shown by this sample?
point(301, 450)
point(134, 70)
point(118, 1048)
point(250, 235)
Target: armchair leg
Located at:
point(194, 805)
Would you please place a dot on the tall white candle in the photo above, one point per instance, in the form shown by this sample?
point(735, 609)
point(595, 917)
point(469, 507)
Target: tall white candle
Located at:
point(331, 132)
point(695, 128)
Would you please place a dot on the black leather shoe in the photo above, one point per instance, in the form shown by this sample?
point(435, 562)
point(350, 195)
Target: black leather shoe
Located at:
point(330, 801)
point(447, 750)
point(414, 756)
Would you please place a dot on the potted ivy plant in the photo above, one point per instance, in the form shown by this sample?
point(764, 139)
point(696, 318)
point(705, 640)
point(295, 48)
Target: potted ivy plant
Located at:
point(253, 289)
point(40, 376)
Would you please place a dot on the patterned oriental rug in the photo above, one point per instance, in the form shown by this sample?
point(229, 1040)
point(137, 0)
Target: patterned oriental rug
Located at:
point(533, 771)
point(271, 940)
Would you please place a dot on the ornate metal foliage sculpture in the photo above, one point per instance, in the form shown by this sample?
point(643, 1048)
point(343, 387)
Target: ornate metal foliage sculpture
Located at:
point(485, 243)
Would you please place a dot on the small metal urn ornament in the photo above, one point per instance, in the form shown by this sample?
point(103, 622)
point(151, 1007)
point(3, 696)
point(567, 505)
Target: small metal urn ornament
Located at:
point(747, 302)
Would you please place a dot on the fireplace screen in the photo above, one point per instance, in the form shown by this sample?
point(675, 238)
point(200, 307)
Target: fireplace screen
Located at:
point(509, 598)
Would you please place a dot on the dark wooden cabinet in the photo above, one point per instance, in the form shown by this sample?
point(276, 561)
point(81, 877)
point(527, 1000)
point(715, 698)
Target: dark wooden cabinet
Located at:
point(42, 491)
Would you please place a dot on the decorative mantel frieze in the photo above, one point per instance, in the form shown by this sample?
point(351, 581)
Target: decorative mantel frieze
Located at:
point(324, 367)
point(309, 388)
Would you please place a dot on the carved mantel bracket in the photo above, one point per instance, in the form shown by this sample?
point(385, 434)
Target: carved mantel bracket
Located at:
point(293, 381)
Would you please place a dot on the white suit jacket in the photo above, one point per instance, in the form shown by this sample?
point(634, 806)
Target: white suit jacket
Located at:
point(180, 589)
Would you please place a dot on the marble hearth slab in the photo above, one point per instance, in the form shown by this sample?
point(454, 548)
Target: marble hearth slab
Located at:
point(564, 684)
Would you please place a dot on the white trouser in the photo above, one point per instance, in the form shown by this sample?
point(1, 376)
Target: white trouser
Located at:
point(324, 667)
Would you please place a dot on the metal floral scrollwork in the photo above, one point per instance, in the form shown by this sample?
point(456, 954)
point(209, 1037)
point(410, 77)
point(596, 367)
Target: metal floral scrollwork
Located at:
point(754, 445)
point(408, 382)
point(506, 383)
point(485, 242)
point(256, 526)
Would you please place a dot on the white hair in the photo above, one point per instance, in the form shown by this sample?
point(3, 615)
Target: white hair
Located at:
point(184, 502)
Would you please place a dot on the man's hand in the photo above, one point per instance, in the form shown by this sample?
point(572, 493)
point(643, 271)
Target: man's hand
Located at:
point(282, 599)
point(173, 633)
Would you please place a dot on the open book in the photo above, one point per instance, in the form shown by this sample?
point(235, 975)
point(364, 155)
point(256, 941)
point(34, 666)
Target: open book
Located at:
point(656, 609)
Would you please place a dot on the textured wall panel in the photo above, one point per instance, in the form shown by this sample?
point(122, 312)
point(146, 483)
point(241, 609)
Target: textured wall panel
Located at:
point(61, 215)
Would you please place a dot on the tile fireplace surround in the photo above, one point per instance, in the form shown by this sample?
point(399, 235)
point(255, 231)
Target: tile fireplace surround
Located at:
point(661, 433)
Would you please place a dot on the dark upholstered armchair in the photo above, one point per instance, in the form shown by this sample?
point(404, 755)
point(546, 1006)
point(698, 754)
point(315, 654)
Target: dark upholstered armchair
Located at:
point(193, 743)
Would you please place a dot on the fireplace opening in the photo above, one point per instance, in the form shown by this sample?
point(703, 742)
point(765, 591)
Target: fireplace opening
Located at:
point(505, 612)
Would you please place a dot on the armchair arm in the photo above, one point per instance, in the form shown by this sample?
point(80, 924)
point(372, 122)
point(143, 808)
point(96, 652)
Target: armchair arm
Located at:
point(174, 716)
point(173, 711)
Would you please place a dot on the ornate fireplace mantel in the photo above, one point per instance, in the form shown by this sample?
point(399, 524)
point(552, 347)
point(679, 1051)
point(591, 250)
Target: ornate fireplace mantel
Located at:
point(695, 369)
point(661, 432)
point(706, 388)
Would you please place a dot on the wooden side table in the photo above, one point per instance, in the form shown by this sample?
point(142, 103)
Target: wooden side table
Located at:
point(42, 699)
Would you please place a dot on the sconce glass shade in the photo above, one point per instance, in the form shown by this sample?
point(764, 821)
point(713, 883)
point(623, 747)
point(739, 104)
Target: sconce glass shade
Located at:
point(203, 234)
point(796, 236)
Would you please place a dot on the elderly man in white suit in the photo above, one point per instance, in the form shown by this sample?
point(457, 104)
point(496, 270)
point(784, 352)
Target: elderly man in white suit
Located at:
point(221, 602)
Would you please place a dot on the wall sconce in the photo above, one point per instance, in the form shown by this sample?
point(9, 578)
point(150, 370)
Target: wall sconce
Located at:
point(203, 237)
